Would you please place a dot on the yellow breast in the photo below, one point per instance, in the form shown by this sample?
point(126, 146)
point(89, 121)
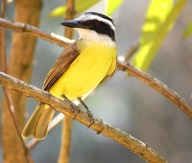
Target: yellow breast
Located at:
point(95, 62)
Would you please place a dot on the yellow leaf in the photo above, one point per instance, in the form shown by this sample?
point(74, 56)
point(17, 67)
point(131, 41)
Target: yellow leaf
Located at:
point(153, 32)
point(113, 5)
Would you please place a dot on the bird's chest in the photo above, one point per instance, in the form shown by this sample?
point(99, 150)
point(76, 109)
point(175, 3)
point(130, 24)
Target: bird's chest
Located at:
point(88, 70)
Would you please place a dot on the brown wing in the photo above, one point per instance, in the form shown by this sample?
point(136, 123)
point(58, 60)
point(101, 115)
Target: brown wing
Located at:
point(61, 65)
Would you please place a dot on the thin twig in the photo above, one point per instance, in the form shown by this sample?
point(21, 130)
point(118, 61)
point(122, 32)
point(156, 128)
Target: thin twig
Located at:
point(99, 126)
point(158, 86)
point(131, 51)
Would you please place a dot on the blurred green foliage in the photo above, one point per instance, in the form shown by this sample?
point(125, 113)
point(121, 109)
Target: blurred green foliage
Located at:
point(160, 18)
point(86, 4)
point(188, 31)
point(112, 6)
point(79, 6)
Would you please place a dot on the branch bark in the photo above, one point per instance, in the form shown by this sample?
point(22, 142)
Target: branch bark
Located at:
point(34, 31)
point(128, 141)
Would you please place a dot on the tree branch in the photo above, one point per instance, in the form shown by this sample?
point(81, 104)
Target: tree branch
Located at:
point(99, 126)
point(55, 121)
point(158, 86)
point(20, 27)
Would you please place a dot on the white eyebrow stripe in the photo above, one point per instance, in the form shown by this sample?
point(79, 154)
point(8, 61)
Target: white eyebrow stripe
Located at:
point(85, 17)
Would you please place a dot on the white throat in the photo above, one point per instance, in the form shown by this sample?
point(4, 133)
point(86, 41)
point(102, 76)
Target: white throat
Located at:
point(91, 35)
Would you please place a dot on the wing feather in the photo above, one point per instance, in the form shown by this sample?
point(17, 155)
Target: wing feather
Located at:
point(61, 65)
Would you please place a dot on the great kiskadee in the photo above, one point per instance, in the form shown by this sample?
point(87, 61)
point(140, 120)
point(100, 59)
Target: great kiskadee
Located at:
point(79, 69)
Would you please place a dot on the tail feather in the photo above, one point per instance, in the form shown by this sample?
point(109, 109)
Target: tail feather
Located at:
point(37, 125)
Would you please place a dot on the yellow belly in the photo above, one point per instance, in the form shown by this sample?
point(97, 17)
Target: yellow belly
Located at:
point(95, 62)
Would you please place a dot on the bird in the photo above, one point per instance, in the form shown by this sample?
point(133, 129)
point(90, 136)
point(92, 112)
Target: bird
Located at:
point(81, 67)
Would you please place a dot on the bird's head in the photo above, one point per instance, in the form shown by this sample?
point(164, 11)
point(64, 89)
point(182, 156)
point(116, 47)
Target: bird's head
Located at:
point(94, 27)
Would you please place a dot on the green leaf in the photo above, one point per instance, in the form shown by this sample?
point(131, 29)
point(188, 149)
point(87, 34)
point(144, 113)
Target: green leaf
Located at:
point(160, 18)
point(188, 31)
point(58, 11)
point(79, 6)
point(113, 5)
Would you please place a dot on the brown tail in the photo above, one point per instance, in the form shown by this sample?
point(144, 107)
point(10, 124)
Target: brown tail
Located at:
point(37, 125)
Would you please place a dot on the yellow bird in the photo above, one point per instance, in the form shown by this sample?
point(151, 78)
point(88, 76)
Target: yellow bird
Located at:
point(79, 69)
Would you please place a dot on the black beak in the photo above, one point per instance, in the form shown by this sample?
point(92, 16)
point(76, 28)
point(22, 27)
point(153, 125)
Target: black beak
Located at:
point(73, 24)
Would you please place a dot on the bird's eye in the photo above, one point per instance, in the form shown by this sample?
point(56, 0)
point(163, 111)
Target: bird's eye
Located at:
point(95, 22)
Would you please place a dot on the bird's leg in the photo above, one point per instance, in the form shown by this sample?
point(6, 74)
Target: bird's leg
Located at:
point(76, 110)
point(90, 114)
